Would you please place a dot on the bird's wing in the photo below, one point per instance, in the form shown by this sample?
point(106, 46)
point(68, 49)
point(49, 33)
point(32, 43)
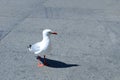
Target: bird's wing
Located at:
point(36, 47)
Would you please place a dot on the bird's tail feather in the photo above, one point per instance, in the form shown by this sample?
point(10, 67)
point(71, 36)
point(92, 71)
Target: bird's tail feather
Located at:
point(29, 47)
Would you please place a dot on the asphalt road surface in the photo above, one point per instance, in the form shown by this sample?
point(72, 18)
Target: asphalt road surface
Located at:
point(87, 46)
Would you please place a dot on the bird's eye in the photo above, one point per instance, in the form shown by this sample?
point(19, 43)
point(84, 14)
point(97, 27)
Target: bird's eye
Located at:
point(49, 32)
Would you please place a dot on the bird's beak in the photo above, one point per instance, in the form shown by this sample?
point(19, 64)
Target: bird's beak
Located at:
point(54, 33)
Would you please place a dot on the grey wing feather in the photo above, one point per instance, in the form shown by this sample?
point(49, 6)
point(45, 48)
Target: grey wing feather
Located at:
point(35, 47)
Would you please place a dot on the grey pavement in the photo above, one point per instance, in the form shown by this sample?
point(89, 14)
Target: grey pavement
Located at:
point(87, 46)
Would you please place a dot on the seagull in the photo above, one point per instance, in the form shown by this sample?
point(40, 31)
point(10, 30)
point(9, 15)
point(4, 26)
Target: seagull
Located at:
point(42, 46)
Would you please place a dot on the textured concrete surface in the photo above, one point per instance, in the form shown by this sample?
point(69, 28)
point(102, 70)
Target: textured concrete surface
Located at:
point(87, 46)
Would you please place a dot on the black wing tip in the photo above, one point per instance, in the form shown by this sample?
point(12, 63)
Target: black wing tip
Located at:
point(29, 46)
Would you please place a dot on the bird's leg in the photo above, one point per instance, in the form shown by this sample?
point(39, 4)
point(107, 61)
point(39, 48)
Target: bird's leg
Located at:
point(39, 63)
point(45, 63)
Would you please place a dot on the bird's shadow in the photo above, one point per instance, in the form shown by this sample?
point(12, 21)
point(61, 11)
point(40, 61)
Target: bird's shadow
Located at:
point(55, 63)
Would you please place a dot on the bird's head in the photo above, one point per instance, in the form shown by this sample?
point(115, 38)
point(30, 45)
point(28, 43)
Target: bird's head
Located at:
point(49, 32)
